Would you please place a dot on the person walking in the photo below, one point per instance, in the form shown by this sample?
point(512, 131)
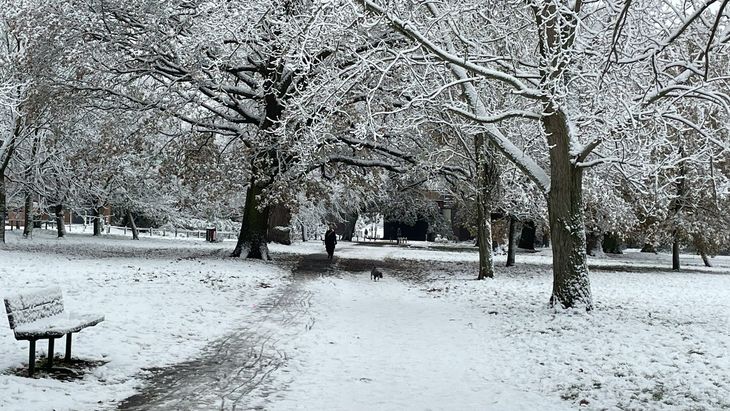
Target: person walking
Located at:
point(330, 240)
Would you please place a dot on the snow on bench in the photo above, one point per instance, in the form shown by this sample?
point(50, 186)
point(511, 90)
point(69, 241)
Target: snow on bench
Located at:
point(40, 315)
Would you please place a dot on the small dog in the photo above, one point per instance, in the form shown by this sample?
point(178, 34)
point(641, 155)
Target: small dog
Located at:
point(375, 274)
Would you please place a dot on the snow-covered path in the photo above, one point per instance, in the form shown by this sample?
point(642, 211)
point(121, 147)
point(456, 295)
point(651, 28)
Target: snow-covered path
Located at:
point(386, 345)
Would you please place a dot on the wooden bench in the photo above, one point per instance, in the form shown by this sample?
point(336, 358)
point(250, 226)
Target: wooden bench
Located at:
point(402, 240)
point(40, 315)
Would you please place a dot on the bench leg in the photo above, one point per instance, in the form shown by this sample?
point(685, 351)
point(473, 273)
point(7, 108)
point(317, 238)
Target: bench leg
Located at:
point(68, 347)
point(50, 352)
point(31, 358)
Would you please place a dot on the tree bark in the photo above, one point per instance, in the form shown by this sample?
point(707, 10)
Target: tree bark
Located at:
point(512, 241)
point(28, 223)
point(675, 252)
point(304, 234)
point(28, 216)
point(252, 238)
point(279, 216)
point(487, 179)
point(571, 285)
point(97, 221)
point(348, 227)
point(133, 225)
point(60, 223)
point(527, 235)
point(594, 243)
point(612, 243)
point(484, 234)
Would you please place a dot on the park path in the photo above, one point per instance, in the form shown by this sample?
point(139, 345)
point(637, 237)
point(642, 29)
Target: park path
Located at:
point(228, 370)
point(224, 374)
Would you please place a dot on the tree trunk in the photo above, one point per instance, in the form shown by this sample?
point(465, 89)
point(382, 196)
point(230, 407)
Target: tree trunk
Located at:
point(279, 216)
point(545, 237)
point(252, 238)
point(28, 217)
point(348, 227)
point(60, 223)
point(135, 231)
point(527, 236)
point(571, 285)
point(3, 208)
point(487, 179)
point(612, 243)
point(678, 206)
point(594, 243)
point(304, 234)
point(705, 259)
point(484, 234)
point(28, 223)
point(97, 221)
point(512, 241)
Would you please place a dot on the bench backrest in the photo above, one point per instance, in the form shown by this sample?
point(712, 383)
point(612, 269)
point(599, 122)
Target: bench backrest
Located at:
point(25, 308)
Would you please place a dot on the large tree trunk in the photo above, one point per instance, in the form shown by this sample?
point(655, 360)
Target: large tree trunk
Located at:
point(571, 286)
point(487, 180)
point(512, 240)
point(675, 252)
point(28, 216)
point(527, 236)
point(348, 227)
point(133, 225)
point(484, 237)
point(3, 208)
point(252, 238)
point(60, 223)
point(97, 221)
point(279, 216)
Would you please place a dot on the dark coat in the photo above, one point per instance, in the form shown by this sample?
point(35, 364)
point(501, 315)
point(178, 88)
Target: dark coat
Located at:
point(330, 239)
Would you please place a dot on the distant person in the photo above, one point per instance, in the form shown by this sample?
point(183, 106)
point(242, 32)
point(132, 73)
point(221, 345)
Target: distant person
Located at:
point(330, 240)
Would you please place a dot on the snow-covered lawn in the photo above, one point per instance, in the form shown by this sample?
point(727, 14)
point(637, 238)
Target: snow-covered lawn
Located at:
point(163, 301)
point(656, 340)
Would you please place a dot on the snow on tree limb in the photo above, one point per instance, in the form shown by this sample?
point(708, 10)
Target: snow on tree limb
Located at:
point(409, 30)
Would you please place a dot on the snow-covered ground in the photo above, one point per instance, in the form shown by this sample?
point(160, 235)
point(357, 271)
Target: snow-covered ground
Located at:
point(163, 302)
point(656, 340)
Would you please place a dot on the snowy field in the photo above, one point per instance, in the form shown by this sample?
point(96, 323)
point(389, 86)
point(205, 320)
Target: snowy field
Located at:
point(425, 337)
point(656, 340)
point(163, 301)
